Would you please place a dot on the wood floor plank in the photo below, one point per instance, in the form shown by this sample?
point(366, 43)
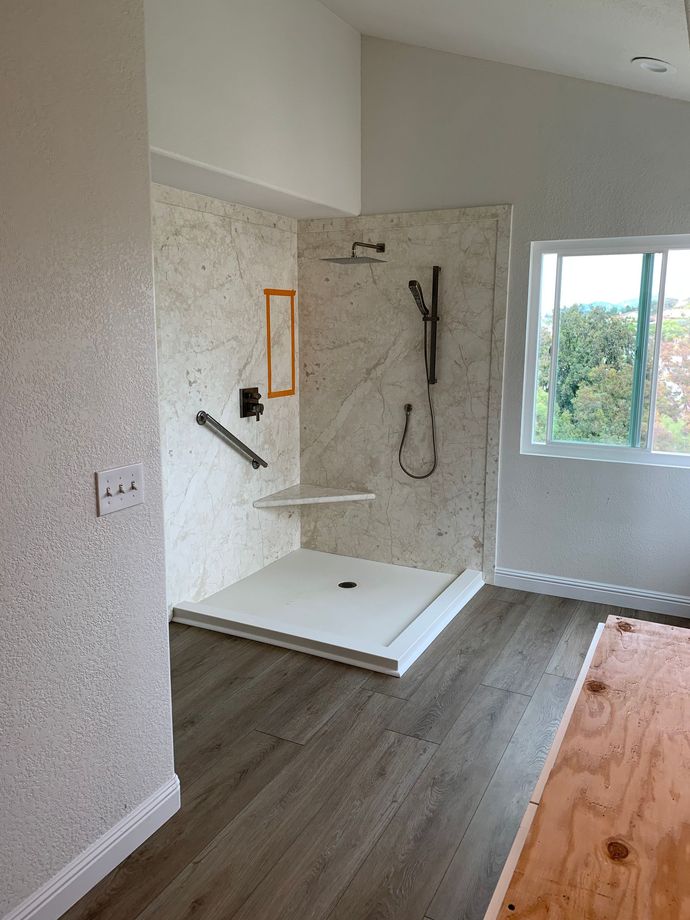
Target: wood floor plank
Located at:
point(471, 877)
point(524, 658)
point(213, 725)
point(188, 653)
point(221, 792)
point(197, 651)
point(315, 870)
point(510, 595)
point(225, 874)
point(570, 652)
point(176, 631)
point(415, 676)
point(226, 666)
point(301, 713)
point(400, 875)
point(439, 700)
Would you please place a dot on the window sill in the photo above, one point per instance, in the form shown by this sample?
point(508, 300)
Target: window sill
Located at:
point(607, 454)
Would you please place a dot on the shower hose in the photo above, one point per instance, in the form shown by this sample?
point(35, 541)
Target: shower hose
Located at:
point(408, 411)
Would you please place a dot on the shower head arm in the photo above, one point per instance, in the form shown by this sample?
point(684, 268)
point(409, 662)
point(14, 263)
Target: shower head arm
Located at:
point(378, 247)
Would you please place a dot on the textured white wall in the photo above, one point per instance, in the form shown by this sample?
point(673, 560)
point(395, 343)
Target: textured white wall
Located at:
point(213, 261)
point(265, 90)
point(576, 159)
point(84, 677)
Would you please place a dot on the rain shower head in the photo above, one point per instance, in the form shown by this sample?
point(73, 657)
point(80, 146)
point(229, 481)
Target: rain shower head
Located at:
point(416, 289)
point(354, 259)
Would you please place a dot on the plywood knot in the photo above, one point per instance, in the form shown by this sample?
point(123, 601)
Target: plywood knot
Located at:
point(595, 686)
point(617, 850)
point(624, 627)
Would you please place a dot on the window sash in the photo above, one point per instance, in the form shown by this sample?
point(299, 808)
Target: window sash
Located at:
point(657, 351)
point(644, 306)
point(553, 364)
point(592, 450)
point(641, 353)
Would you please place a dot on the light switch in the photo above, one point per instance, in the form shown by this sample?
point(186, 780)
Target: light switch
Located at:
point(120, 488)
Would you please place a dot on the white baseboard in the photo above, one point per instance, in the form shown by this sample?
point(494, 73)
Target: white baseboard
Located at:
point(71, 883)
point(595, 591)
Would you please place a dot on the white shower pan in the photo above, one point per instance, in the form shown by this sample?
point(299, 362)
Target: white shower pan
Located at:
point(383, 622)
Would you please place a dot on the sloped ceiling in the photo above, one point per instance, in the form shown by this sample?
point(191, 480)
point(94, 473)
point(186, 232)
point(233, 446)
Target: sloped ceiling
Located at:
point(590, 39)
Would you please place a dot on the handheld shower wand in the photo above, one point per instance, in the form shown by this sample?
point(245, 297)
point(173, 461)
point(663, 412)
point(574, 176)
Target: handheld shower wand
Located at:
point(416, 289)
point(429, 318)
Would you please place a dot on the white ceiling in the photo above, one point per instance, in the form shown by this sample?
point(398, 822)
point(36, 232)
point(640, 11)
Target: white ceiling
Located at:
point(591, 39)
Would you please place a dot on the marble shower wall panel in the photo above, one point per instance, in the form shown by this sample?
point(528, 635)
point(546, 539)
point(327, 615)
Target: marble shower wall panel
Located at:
point(212, 262)
point(362, 359)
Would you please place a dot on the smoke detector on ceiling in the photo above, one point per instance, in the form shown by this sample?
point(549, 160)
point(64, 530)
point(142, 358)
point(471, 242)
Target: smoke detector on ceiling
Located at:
point(653, 65)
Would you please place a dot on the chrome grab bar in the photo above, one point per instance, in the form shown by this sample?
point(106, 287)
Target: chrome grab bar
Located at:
point(203, 418)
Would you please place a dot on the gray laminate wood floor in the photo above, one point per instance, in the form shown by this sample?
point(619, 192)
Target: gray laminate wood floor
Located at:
point(312, 790)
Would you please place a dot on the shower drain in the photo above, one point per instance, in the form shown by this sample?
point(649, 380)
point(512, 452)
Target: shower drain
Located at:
point(347, 584)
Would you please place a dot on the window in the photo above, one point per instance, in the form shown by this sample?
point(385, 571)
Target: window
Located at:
point(607, 370)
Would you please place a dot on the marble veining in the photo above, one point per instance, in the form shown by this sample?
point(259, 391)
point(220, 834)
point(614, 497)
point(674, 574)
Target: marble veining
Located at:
point(362, 360)
point(212, 263)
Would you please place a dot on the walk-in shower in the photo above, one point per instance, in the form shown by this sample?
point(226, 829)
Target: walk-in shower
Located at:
point(390, 613)
point(330, 549)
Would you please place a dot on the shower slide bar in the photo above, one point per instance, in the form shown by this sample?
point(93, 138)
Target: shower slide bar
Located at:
point(203, 418)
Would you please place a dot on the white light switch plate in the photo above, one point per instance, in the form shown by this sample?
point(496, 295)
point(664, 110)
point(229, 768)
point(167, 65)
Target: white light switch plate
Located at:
point(120, 488)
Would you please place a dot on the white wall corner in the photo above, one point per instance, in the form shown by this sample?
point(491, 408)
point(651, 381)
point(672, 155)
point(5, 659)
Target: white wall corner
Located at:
point(292, 144)
point(73, 881)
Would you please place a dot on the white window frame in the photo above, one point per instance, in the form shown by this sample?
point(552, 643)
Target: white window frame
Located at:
point(577, 451)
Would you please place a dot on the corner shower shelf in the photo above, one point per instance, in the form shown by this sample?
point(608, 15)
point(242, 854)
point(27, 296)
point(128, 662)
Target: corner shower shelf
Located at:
point(304, 494)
